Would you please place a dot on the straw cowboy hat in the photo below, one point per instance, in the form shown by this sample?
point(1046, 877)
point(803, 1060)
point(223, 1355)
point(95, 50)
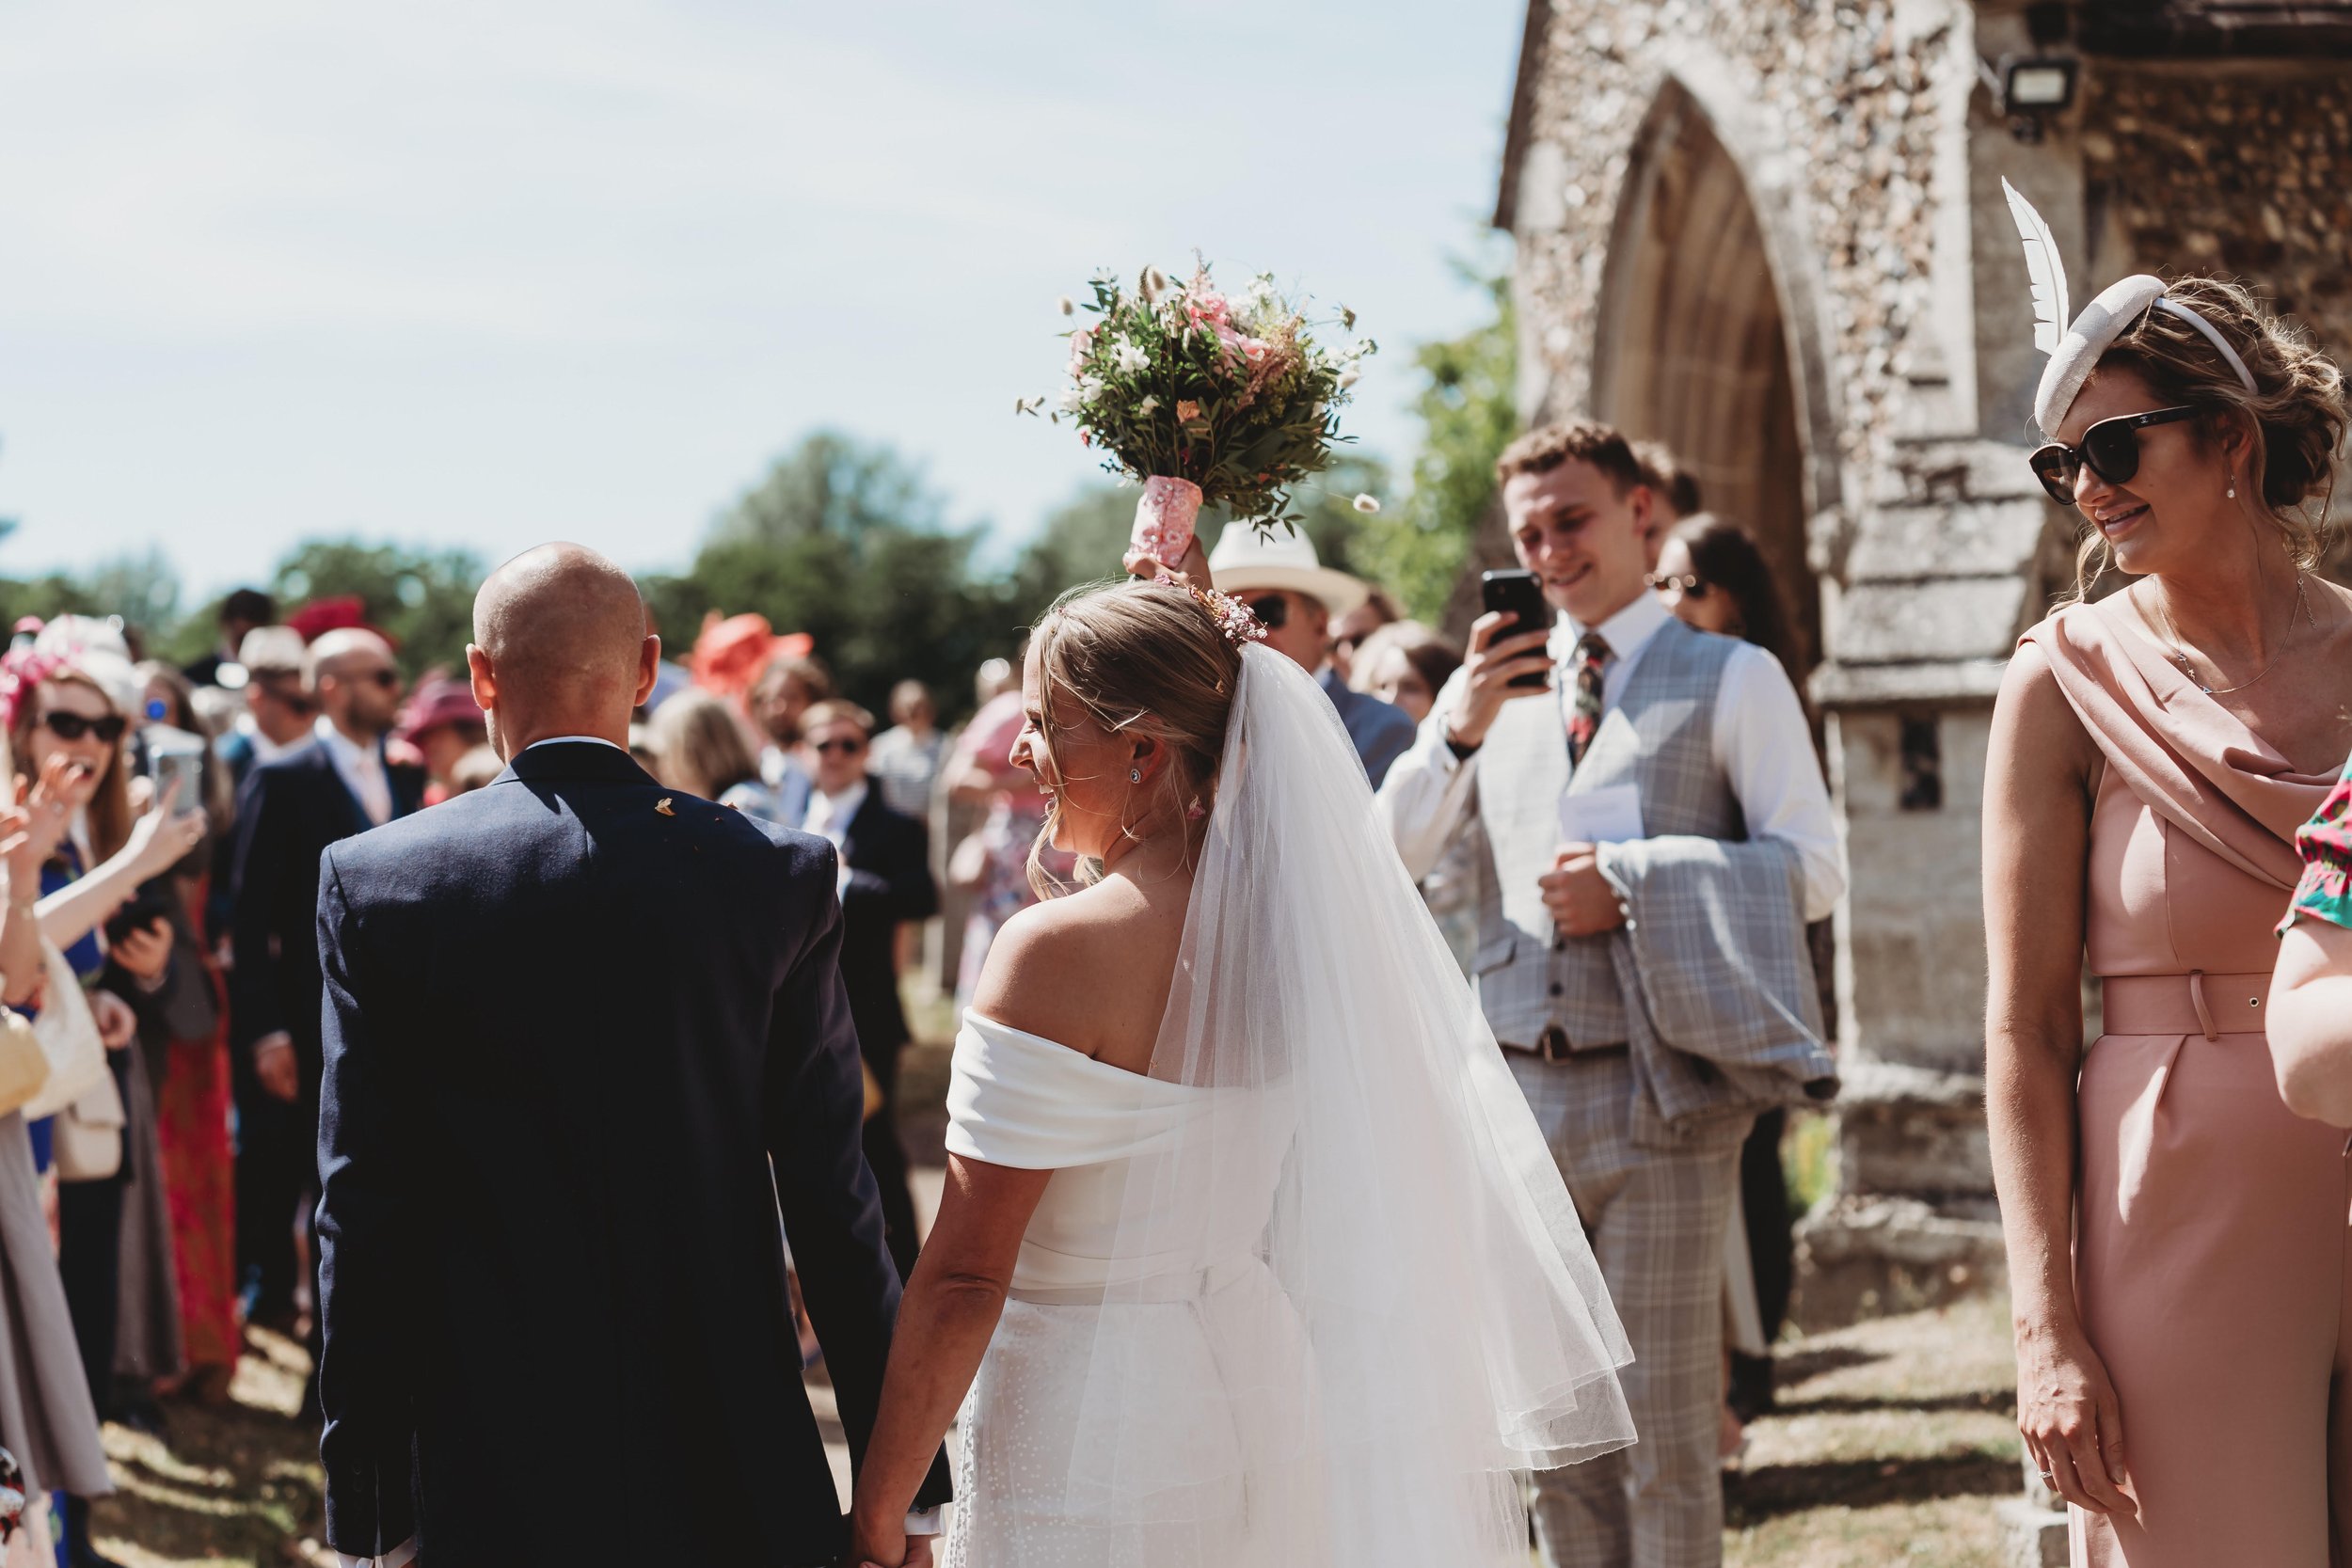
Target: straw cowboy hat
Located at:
point(1246, 561)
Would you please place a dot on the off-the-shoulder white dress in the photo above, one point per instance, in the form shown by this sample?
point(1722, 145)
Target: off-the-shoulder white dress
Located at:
point(1021, 1101)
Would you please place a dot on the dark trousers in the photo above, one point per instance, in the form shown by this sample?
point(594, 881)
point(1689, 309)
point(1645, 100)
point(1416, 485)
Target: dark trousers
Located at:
point(1771, 1256)
point(888, 1157)
point(89, 1259)
point(277, 1174)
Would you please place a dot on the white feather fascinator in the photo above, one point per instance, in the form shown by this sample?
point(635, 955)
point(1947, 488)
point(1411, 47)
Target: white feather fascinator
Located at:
point(2074, 346)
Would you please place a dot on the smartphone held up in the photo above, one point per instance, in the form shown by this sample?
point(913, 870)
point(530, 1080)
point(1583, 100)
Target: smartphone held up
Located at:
point(1518, 594)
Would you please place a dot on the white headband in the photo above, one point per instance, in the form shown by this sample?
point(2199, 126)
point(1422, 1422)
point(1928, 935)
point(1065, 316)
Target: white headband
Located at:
point(2074, 350)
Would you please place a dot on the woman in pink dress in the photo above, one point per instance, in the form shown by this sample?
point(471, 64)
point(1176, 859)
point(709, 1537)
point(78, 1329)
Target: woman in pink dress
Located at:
point(2177, 1237)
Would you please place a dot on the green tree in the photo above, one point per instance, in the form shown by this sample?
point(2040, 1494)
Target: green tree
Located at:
point(1468, 411)
point(424, 599)
point(848, 544)
point(141, 586)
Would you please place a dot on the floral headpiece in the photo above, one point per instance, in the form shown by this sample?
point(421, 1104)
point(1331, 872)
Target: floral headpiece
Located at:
point(1235, 621)
point(21, 671)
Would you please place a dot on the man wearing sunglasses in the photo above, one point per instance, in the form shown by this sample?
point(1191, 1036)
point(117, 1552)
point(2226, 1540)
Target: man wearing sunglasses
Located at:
point(1296, 597)
point(885, 876)
point(337, 784)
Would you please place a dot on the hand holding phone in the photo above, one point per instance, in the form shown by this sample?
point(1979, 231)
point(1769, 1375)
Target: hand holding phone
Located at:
point(1508, 654)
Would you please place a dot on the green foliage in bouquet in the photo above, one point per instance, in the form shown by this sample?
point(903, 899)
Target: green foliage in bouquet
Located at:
point(1230, 392)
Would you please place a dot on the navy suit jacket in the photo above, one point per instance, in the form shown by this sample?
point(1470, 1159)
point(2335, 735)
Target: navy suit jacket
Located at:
point(1382, 731)
point(288, 811)
point(890, 881)
point(585, 1038)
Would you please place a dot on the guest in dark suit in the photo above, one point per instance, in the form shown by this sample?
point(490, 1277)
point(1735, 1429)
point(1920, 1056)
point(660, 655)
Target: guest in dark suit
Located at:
point(886, 879)
point(586, 1038)
point(335, 784)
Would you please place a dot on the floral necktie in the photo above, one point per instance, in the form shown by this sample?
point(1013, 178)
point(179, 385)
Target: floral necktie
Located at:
point(1584, 718)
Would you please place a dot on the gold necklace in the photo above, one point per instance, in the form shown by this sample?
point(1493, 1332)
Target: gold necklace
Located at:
point(2172, 636)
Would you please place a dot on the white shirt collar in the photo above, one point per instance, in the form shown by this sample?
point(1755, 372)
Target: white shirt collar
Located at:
point(837, 809)
point(568, 739)
point(343, 746)
point(1627, 632)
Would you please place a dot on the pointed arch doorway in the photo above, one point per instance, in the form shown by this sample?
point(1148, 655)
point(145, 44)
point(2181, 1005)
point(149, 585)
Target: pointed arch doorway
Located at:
point(1694, 350)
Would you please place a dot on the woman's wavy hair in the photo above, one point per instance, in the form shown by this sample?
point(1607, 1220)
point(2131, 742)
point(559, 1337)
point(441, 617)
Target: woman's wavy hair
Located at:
point(1141, 659)
point(2295, 414)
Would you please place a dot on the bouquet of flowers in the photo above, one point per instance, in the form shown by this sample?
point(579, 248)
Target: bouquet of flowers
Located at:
point(1204, 397)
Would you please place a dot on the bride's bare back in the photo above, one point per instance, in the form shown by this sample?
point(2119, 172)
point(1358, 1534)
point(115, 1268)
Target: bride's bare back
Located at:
point(1092, 970)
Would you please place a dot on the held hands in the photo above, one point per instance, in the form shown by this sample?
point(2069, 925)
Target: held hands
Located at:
point(1497, 652)
point(2071, 1420)
point(918, 1555)
point(886, 1546)
point(1581, 902)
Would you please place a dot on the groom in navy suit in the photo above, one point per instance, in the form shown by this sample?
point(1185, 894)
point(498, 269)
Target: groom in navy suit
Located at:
point(587, 1059)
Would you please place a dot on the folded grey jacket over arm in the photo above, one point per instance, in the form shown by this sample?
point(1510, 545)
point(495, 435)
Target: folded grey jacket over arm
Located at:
point(1723, 1012)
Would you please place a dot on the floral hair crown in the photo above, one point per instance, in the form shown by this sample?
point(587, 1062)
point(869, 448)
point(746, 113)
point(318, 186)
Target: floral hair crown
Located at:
point(1235, 620)
point(21, 669)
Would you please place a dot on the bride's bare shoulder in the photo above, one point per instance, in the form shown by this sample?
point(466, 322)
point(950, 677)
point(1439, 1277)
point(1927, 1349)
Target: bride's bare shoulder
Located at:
point(1061, 968)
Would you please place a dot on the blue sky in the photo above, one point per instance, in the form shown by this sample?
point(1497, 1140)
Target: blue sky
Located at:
point(488, 275)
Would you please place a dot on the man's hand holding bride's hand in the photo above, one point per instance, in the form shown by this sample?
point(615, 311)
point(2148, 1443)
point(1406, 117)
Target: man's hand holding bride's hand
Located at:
point(918, 1555)
point(883, 1546)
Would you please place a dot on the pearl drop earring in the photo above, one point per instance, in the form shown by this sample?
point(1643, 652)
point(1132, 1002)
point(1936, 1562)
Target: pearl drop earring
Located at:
point(2234, 489)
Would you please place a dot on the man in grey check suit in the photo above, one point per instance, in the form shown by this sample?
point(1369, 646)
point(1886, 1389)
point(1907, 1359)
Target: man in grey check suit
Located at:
point(1654, 834)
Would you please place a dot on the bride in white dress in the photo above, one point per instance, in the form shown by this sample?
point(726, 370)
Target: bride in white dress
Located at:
point(1251, 1252)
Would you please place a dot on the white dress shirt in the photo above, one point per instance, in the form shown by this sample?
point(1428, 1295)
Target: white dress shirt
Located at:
point(829, 818)
point(926, 1522)
point(362, 772)
point(1761, 741)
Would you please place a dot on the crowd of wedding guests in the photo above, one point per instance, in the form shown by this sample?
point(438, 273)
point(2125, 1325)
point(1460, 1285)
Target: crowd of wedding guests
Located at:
point(162, 852)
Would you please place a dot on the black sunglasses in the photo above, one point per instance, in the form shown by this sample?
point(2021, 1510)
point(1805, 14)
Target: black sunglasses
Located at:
point(1273, 612)
point(74, 726)
point(1687, 585)
point(838, 744)
point(2110, 448)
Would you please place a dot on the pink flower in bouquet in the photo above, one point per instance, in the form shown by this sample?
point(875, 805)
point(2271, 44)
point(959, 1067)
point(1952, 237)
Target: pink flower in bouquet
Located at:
point(1205, 306)
point(1186, 411)
point(1081, 345)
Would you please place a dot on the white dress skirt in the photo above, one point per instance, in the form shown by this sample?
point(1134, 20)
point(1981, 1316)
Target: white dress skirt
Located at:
point(1234, 1397)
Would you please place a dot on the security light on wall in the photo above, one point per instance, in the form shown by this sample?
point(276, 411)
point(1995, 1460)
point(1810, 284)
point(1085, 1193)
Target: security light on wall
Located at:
point(2038, 84)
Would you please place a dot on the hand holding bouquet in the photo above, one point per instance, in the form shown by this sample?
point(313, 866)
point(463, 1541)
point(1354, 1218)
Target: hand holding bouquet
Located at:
point(1204, 397)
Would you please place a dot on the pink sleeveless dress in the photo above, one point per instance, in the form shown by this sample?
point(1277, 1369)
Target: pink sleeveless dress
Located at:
point(2210, 1247)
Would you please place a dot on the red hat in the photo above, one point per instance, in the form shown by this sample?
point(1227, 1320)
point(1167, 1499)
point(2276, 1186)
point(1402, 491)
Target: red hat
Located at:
point(731, 652)
point(439, 701)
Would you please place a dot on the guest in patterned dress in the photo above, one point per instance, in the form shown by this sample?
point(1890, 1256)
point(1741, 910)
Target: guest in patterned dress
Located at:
point(2311, 990)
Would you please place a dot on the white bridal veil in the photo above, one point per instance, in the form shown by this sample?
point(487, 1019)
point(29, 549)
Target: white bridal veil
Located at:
point(1421, 1315)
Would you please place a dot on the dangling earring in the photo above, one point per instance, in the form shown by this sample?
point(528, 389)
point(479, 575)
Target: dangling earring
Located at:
point(2233, 488)
point(1135, 775)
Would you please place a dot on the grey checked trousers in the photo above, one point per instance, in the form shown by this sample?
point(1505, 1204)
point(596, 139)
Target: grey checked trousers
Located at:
point(1656, 1219)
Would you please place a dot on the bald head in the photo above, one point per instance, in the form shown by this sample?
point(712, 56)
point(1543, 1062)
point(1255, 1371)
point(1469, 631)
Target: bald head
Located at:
point(350, 675)
point(560, 633)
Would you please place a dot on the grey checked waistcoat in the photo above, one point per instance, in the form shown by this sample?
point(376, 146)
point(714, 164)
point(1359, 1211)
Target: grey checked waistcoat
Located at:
point(1661, 737)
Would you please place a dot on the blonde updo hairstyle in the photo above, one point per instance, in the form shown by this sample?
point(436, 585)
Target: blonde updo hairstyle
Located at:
point(2295, 415)
point(1138, 659)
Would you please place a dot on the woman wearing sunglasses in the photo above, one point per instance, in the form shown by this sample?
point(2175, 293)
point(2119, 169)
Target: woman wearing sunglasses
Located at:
point(2176, 1235)
point(66, 701)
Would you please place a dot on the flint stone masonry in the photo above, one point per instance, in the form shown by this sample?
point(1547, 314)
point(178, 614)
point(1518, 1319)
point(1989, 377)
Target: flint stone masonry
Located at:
point(1772, 234)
